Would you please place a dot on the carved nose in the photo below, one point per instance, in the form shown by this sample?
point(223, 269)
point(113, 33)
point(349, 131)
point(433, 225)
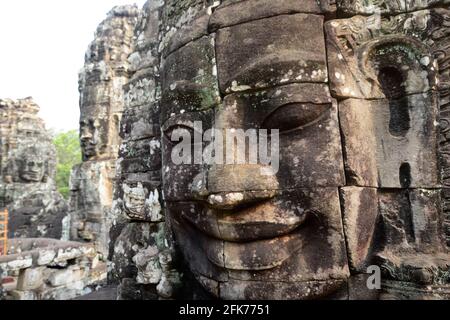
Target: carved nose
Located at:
point(227, 187)
point(85, 135)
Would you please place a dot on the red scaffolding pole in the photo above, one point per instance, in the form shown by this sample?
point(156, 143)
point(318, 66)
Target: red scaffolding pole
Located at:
point(3, 232)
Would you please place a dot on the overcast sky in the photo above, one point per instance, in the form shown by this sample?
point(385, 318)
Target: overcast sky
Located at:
point(42, 46)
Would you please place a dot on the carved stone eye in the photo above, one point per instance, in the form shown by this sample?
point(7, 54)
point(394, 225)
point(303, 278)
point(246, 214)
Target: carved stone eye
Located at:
point(294, 116)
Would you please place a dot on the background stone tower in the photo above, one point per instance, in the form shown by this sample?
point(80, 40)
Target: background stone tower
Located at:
point(27, 172)
point(105, 72)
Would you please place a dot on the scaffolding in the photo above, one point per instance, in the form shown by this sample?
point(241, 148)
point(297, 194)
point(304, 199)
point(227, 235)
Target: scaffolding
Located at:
point(3, 232)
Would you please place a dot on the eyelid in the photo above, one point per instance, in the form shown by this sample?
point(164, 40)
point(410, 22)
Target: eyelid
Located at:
point(306, 114)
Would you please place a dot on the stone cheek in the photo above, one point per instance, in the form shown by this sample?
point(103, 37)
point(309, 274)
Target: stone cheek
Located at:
point(389, 75)
point(393, 158)
point(91, 186)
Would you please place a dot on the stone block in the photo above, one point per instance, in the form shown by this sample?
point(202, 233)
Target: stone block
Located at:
point(232, 12)
point(360, 215)
point(67, 276)
point(391, 143)
point(190, 83)
point(30, 279)
point(249, 56)
point(23, 295)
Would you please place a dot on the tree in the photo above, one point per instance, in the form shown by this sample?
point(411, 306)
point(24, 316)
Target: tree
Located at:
point(69, 154)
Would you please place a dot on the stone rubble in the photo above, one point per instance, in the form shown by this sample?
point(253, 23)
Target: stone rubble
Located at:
point(46, 269)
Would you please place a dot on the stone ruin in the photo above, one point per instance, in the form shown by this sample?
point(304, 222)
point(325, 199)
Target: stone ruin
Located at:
point(48, 269)
point(105, 72)
point(360, 93)
point(37, 264)
point(27, 174)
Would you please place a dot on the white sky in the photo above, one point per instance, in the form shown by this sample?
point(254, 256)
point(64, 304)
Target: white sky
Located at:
point(42, 46)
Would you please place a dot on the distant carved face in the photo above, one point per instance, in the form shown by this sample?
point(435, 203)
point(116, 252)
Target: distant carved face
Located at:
point(134, 201)
point(32, 166)
point(245, 234)
point(92, 138)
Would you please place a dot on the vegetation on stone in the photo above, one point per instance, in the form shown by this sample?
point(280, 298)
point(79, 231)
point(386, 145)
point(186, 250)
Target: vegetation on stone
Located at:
point(68, 155)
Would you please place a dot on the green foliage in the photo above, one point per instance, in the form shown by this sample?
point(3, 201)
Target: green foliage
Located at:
point(69, 154)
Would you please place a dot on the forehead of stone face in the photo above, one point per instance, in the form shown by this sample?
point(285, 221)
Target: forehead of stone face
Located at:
point(31, 153)
point(272, 51)
point(94, 113)
point(234, 12)
point(190, 79)
point(93, 91)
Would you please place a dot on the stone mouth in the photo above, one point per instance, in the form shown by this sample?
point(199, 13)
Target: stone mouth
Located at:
point(253, 256)
point(263, 221)
point(32, 174)
point(261, 237)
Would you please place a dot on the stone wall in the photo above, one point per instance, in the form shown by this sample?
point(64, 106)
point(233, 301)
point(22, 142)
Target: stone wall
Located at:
point(27, 173)
point(141, 255)
point(45, 269)
point(105, 72)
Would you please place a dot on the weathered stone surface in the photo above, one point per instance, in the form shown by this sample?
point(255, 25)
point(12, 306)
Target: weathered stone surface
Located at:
point(46, 269)
point(360, 215)
point(250, 57)
point(274, 259)
point(255, 290)
point(355, 7)
point(232, 12)
point(357, 287)
point(28, 164)
point(101, 81)
point(187, 83)
point(358, 107)
point(64, 277)
point(91, 186)
point(23, 295)
point(306, 118)
point(378, 57)
point(30, 279)
point(134, 238)
point(102, 102)
point(391, 144)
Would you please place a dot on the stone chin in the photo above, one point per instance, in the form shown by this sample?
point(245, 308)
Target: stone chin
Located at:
point(253, 253)
point(89, 149)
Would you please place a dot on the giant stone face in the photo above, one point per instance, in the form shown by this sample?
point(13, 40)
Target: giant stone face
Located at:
point(358, 180)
